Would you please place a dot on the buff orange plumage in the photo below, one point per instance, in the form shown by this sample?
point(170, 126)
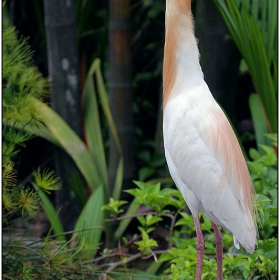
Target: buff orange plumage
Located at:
point(201, 149)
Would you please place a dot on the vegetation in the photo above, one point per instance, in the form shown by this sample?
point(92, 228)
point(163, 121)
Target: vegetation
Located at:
point(253, 27)
point(179, 246)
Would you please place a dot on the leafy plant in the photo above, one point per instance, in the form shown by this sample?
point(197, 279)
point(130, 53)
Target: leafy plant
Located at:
point(176, 259)
point(24, 114)
point(22, 83)
point(253, 27)
point(90, 160)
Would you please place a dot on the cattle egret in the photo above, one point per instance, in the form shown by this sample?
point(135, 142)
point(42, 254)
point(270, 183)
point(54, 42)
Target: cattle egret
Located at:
point(202, 152)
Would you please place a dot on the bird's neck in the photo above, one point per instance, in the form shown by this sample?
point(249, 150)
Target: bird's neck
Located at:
point(181, 56)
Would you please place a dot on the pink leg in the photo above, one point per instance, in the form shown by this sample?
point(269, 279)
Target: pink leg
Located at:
point(219, 250)
point(200, 248)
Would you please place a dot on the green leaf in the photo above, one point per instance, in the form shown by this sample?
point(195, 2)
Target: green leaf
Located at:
point(71, 143)
point(133, 208)
point(146, 172)
point(93, 126)
point(119, 179)
point(90, 221)
point(259, 120)
point(146, 243)
point(258, 51)
point(254, 154)
point(114, 205)
point(271, 254)
point(150, 219)
point(51, 213)
point(142, 220)
point(93, 131)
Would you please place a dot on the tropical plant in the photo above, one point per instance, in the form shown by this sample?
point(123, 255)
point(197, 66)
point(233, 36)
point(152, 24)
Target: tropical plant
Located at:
point(25, 115)
point(253, 27)
point(175, 258)
point(21, 84)
point(89, 159)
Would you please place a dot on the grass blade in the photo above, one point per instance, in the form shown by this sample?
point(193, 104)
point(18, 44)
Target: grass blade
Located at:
point(118, 182)
point(51, 213)
point(259, 120)
point(92, 125)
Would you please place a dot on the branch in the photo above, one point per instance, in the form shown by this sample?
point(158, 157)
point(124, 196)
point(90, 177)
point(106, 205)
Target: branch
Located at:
point(251, 276)
point(105, 257)
point(173, 219)
point(112, 266)
point(137, 215)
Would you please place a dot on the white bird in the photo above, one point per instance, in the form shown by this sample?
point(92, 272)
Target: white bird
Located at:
point(202, 152)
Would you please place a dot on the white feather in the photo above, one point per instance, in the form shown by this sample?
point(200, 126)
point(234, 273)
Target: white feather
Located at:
point(196, 170)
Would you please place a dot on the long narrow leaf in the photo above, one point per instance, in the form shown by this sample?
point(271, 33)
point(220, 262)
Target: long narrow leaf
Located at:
point(91, 217)
point(118, 181)
point(245, 31)
point(51, 213)
point(258, 120)
point(92, 125)
point(105, 105)
point(71, 143)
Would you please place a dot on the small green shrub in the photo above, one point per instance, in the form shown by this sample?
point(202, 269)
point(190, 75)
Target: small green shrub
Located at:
point(25, 257)
point(177, 258)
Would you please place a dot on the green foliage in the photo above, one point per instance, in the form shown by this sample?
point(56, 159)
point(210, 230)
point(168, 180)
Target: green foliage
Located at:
point(259, 120)
point(23, 114)
point(21, 84)
point(156, 198)
point(90, 160)
point(46, 180)
point(88, 227)
point(50, 212)
point(253, 27)
point(114, 206)
point(146, 243)
point(263, 170)
point(26, 258)
point(180, 251)
point(21, 80)
point(147, 222)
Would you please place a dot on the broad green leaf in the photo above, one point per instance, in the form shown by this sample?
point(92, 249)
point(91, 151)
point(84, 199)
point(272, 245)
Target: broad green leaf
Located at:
point(71, 143)
point(91, 218)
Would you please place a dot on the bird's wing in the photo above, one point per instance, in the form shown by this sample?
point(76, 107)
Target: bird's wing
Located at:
point(202, 146)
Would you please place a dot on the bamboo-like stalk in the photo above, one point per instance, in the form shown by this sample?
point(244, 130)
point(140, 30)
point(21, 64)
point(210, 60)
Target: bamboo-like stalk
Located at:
point(121, 89)
point(62, 46)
